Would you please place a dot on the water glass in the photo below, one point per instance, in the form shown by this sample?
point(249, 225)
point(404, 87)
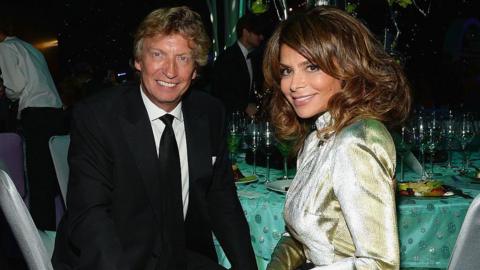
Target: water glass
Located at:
point(253, 139)
point(268, 140)
point(233, 140)
point(284, 147)
point(466, 133)
point(449, 137)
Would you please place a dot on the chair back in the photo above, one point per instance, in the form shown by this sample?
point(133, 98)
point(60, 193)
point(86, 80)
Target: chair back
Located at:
point(466, 253)
point(59, 151)
point(22, 226)
point(12, 157)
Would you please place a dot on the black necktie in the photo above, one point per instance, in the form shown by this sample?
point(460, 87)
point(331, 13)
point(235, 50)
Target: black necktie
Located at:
point(171, 183)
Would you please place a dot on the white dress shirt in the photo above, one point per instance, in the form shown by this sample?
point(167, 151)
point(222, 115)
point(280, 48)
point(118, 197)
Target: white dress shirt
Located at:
point(26, 76)
point(154, 113)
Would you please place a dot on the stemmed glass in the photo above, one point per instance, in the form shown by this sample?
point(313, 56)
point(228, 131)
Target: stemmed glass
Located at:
point(403, 147)
point(284, 147)
point(466, 133)
point(233, 139)
point(449, 137)
point(268, 139)
point(243, 121)
point(419, 138)
point(433, 137)
point(253, 141)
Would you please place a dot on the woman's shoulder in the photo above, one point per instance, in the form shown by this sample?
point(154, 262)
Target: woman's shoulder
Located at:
point(368, 130)
point(365, 135)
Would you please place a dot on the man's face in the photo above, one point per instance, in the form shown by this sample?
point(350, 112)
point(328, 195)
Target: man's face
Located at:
point(167, 69)
point(254, 40)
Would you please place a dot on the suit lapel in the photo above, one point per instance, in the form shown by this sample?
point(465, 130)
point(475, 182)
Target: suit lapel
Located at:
point(243, 65)
point(139, 137)
point(197, 134)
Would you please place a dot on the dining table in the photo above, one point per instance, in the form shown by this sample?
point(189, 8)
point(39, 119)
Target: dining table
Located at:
point(427, 226)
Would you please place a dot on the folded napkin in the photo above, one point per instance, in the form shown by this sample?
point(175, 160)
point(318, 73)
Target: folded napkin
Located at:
point(412, 162)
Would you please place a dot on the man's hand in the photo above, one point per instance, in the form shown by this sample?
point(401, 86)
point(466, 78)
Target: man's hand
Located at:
point(251, 109)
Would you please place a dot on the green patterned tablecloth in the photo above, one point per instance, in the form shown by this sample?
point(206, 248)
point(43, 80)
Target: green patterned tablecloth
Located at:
point(428, 228)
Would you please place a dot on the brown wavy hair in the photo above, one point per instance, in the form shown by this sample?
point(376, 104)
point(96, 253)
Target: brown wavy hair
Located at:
point(175, 20)
point(373, 83)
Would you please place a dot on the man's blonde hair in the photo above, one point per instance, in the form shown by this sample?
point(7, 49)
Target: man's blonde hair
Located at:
point(175, 20)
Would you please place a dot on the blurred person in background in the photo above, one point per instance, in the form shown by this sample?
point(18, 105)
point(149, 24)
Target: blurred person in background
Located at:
point(27, 79)
point(237, 70)
point(4, 112)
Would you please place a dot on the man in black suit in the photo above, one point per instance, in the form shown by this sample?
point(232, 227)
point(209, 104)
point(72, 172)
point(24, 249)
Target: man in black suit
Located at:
point(124, 209)
point(237, 71)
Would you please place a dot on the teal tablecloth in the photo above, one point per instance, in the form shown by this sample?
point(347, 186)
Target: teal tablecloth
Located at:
point(428, 228)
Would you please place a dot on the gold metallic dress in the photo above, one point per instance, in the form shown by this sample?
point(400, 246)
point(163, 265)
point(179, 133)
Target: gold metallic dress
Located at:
point(340, 209)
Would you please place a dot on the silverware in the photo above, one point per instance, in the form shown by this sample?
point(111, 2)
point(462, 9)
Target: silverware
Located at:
point(457, 191)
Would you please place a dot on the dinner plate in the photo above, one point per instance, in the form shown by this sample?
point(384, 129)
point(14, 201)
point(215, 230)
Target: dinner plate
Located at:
point(279, 185)
point(445, 195)
point(247, 180)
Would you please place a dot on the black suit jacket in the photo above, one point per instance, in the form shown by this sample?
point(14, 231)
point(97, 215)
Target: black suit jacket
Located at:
point(231, 81)
point(113, 215)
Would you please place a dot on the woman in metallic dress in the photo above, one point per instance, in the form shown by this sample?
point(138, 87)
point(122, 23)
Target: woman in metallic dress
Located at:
point(326, 66)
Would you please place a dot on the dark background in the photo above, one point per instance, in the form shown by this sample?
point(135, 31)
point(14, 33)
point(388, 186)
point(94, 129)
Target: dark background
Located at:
point(99, 33)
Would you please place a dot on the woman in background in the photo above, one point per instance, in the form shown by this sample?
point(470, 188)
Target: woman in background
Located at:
point(326, 66)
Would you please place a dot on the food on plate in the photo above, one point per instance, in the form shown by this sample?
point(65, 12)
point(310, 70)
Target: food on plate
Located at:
point(247, 179)
point(428, 188)
point(237, 174)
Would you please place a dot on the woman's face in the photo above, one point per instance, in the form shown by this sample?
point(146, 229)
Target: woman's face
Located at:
point(307, 88)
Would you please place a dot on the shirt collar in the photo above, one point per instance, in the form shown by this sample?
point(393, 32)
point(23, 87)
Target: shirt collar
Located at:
point(243, 49)
point(155, 112)
point(323, 120)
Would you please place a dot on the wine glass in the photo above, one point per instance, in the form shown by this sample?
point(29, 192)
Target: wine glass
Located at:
point(284, 147)
point(243, 121)
point(433, 137)
point(403, 147)
point(253, 139)
point(449, 137)
point(233, 139)
point(419, 140)
point(268, 140)
point(466, 133)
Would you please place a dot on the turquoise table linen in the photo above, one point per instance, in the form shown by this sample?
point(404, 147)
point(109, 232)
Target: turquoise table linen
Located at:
point(428, 227)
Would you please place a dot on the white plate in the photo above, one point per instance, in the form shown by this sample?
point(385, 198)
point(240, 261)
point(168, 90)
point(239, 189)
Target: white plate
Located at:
point(279, 185)
point(246, 180)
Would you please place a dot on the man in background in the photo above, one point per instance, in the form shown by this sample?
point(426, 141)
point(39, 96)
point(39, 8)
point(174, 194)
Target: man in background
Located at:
point(237, 71)
point(4, 111)
point(27, 79)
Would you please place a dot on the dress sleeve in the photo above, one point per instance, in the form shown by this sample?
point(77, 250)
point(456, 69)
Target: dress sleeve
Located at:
point(363, 172)
point(288, 254)
point(13, 78)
